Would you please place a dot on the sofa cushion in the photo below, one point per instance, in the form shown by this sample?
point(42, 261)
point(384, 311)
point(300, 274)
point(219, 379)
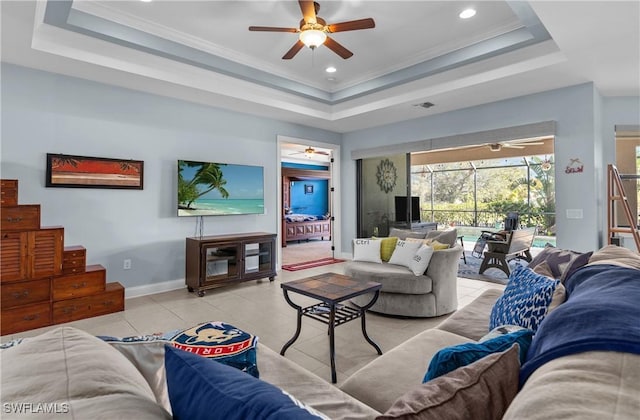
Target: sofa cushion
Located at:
point(367, 250)
point(451, 358)
point(472, 321)
point(80, 373)
point(616, 255)
point(481, 391)
point(394, 278)
point(590, 385)
point(404, 252)
point(399, 370)
point(525, 300)
point(405, 234)
point(310, 388)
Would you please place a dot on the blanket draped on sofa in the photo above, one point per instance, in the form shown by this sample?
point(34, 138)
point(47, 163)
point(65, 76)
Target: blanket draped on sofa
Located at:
point(601, 313)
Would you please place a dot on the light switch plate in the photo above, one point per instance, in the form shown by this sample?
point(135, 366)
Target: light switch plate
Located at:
point(574, 213)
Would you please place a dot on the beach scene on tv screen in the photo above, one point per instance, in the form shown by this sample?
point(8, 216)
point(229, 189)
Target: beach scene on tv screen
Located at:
point(214, 189)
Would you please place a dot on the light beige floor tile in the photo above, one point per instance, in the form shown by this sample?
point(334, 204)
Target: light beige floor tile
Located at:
point(259, 307)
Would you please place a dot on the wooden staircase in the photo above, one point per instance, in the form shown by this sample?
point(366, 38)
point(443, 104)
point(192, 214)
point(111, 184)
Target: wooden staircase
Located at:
point(615, 193)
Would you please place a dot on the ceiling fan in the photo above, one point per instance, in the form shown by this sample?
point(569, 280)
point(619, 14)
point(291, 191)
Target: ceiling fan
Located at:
point(313, 31)
point(310, 151)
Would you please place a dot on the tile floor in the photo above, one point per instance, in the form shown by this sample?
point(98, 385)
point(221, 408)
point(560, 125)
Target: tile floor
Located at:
point(259, 308)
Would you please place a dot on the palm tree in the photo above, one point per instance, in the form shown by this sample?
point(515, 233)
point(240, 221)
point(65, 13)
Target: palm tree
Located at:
point(209, 174)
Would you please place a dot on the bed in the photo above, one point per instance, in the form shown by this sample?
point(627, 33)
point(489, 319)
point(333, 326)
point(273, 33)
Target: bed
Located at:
point(305, 226)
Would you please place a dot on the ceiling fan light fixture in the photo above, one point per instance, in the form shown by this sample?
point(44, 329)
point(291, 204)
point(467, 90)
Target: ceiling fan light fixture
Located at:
point(495, 147)
point(313, 38)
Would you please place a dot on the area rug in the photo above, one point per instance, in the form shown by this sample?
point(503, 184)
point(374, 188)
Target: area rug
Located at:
point(311, 264)
point(472, 267)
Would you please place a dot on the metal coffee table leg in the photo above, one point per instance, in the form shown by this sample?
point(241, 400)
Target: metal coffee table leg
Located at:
point(298, 326)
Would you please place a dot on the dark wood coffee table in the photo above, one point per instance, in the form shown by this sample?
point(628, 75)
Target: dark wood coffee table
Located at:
point(331, 289)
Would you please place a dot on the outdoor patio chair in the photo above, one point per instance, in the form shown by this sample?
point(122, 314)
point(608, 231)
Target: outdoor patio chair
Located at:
point(511, 222)
point(517, 246)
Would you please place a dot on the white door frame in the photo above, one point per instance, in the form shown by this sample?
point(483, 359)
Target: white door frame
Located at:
point(334, 183)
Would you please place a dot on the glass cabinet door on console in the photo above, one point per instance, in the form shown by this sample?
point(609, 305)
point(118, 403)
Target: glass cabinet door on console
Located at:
point(258, 257)
point(220, 262)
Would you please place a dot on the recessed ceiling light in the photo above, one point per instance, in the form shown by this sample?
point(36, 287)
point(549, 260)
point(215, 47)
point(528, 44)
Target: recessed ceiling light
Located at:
point(330, 69)
point(467, 13)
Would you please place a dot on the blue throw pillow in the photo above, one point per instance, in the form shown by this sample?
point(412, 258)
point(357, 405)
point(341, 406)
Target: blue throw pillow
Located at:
point(451, 358)
point(203, 389)
point(525, 300)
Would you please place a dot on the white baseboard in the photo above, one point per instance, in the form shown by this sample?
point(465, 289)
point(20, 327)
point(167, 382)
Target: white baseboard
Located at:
point(150, 289)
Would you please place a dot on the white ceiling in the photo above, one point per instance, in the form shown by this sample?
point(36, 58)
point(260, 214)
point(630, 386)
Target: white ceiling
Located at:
point(419, 51)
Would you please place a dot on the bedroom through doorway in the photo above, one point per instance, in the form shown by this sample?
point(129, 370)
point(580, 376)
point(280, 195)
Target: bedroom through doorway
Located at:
point(307, 203)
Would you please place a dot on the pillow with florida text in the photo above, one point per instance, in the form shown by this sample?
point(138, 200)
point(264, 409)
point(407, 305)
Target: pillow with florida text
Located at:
point(367, 250)
point(404, 252)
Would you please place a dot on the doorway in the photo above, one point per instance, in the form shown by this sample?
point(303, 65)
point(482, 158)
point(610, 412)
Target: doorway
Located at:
point(308, 211)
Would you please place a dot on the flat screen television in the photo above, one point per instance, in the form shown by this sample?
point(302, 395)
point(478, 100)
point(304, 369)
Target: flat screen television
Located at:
point(401, 209)
point(217, 189)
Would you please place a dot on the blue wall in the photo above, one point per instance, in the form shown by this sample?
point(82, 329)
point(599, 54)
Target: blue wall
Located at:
point(316, 204)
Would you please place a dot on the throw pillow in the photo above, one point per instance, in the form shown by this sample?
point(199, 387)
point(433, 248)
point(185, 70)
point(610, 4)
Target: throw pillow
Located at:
point(525, 300)
point(405, 234)
point(560, 294)
point(438, 246)
point(420, 261)
point(367, 250)
point(562, 262)
point(501, 330)
point(220, 341)
point(482, 390)
point(201, 389)
point(387, 245)
point(453, 357)
point(448, 236)
point(404, 253)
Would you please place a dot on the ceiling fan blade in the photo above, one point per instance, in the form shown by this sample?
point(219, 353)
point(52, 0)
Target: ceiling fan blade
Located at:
point(512, 146)
point(321, 153)
point(293, 51)
point(308, 11)
point(337, 48)
point(352, 25)
point(272, 29)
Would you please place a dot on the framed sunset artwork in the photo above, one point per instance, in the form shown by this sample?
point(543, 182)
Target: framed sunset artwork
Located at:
point(93, 172)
